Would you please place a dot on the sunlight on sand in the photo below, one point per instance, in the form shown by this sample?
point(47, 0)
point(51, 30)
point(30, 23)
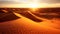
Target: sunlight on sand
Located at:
point(46, 24)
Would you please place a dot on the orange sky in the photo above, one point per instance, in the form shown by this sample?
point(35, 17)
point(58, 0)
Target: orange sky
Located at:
point(40, 5)
point(29, 3)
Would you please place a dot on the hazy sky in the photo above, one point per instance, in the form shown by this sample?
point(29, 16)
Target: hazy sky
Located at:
point(26, 1)
point(22, 3)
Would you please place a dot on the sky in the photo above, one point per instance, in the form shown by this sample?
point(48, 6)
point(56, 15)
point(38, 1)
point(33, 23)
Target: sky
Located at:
point(24, 2)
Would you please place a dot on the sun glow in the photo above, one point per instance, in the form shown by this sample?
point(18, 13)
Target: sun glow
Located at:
point(33, 9)
point(33, 5)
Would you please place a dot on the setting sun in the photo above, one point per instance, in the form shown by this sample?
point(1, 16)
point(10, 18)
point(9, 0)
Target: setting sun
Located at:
point(33, 5)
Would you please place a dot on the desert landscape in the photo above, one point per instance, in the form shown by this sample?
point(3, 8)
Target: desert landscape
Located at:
point(17, 21)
